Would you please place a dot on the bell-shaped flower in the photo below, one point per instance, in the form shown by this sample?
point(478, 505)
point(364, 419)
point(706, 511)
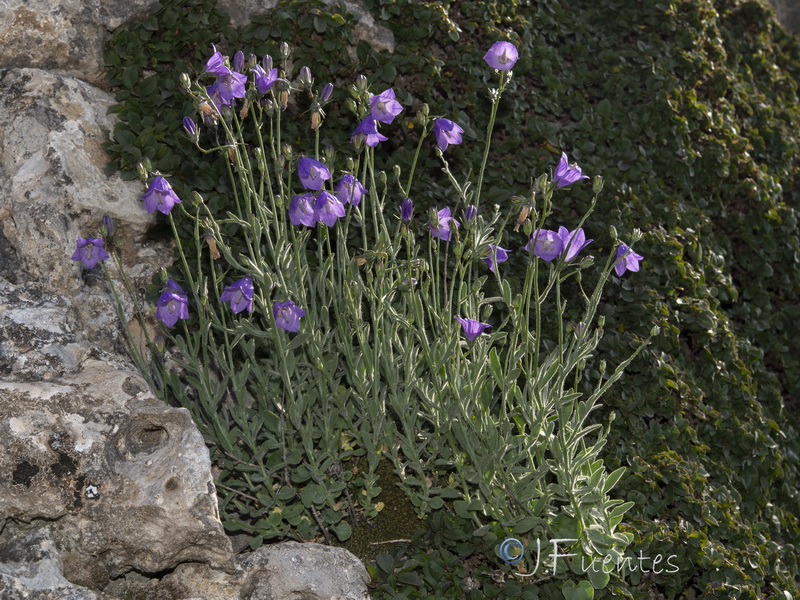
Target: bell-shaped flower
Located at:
point(172, 305)
point(384, 107)
point(159, 195)
point(312, 173)
point(441, 228)
point(240, 295)
point(329, 208)
point(90, 251)
point(626, 260)
point(574, 241)
point(496, 255)
point(502, 56)
point(472, 328)
point(350, 190)
point(302, 210)
point(287, 315)
point(546, 244)
point(368, 130)
point(216, 64)
point(406, 209)
point(447, 132)
point(567, 174)
point(265, 79)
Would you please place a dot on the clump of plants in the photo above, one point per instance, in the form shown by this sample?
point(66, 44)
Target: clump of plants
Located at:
point(320, 326)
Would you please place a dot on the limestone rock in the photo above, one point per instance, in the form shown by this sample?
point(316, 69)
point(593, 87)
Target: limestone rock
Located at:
point(125, 479)
point(63, 35)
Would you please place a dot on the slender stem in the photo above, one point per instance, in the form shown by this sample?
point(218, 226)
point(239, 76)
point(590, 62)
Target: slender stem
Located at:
point(489, 129)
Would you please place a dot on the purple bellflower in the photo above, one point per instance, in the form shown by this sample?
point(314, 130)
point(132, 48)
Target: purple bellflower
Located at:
point(287, 315)
point(265, 79)
point(326, 92)
point(90, 251)
point(447, 132)
point(385, 107)
point(574, 242)
point(228, 87)
point(190, 126)
point(472, 329)
point(470, 212)
point(567, 174)
point(238, 61)
point(328, 208)
point(502, 56)
point(312, 173)
point(626, 260)
point(159, 195)
point(350, 190)
point(547, 244)
point(240, 295)
point(406, 209)
point(441, 229)
point(216, 64)
point(496, 255)
point(302, 210)
point(173, 304)
point(368, 129)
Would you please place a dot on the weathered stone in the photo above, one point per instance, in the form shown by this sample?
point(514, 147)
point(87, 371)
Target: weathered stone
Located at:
point(788, 14)
point(63, 35)
point(126, 478)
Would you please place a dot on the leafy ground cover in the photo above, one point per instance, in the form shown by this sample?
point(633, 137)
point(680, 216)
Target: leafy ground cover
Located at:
point(689, 109)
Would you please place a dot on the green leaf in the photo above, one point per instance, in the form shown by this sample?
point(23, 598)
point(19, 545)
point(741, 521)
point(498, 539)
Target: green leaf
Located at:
point(385, 562)
point(343, 531)
point(612, 479)
point(129, 76)
point(581, 591)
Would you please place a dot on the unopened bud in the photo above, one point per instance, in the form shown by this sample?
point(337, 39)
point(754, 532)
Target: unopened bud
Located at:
point(349, 164)
point(326, 92)
point(612, 231)
point(470, 213)
point(286, 150)
point(637, 235)
point(382, 178)
point(328, 153)
point(351, 106)
point(361, 83)
point(143, 169)
point(185, 81)
point(586, 262)
point(603, 366)
point(195, 199)
point(284, 50)
point(597, 184)
point(601, 321)
point(269, 107)
point(252, 61)
point(266, 62)
point(238, 61)
point(655, 330)
point(106, 227)
point(305, 77)
point(396, 171)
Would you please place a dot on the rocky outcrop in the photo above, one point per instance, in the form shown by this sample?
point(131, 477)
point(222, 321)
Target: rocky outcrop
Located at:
point(105, 492)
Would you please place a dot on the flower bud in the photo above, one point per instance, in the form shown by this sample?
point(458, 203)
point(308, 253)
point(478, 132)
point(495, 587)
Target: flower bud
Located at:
point(269, 107)
point(190, 127)
point(185, 81)
point(326, 92)
point(305, 77)
point(612, 231)
point(361, 83)
point(396, 171)
point(601, 321)
point(382, 178)
point(637, 235)
point(143, 169)
point(106, 227)
point(328, 153)
point(266, 62)
point(406, 209)
point(586, 262)
point(655, 330)
point(603, 366)
point(284, 50)
point(351, 106)
point(238, 61)
point(195, 199)
point(597, 184)
point(252, 61)
point(349, 164)
point(286, 150)
point(470, 213)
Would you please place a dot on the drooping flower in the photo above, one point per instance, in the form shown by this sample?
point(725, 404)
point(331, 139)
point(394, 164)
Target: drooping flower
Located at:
point(502, 56)
point(447, 132)
point(329, 208)
point(240, 295)
point(471, 212)
point(472, 329)
point(626, 260)
point(368, 129)
point(567, 174)
point(173, 304)
point(384, 107)
point(547, 244)
point(159, 195)
point(441, 229)
point(350, 190)
point(312, 173)
point(574, 241)
point(265, 79)
point(287, 315)
point(496, 255)
point(406, 209)
point(302, 210)
point(90, 251)
point(227, 87)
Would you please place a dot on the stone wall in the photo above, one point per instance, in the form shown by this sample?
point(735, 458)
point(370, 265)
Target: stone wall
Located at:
point(105, 492)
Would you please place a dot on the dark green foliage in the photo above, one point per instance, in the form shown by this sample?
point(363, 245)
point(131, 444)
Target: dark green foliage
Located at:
point(689, 109)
